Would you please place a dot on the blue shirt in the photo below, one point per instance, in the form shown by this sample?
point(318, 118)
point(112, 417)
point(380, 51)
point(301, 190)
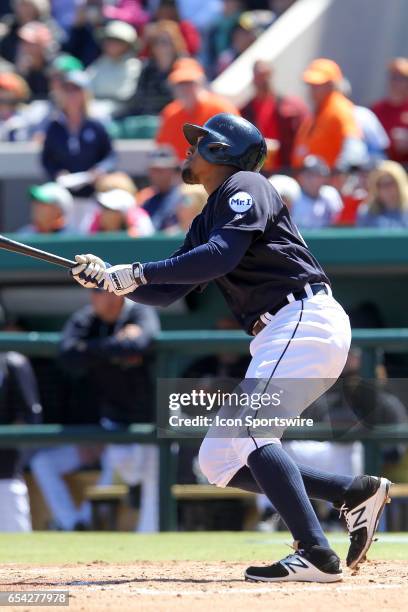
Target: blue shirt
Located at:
point(90, 147)
point(385, 219)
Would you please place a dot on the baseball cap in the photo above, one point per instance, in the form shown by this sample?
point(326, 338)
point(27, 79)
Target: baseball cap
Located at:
point(79, 78)
point(163, 157)
point(321, 71)
point(118, 200)
point(67, 63)
point(399, 65)
point(315, 164)
point(54, 194)
point(119, 30)
point(186, 70)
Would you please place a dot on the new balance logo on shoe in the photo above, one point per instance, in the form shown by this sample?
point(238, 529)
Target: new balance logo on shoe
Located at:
point(294, 562)
point(359, 521)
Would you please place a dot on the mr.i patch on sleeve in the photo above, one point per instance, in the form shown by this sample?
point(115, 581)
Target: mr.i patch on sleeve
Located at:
point(240, 202)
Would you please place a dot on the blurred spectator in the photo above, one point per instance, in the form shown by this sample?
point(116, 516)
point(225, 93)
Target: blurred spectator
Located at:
point(220, 35)
point(250, 25)
point(106, 346)
point(129, 11)
point(387, 201)
point(114, 75)
point(201, 14)
point(392, 111)
point(19, 405)
point(163, 195)
point(332, 132)
point(24, 12)
point(118, 207)
point(351, 185)
point(153, 92)
point(193, 199)
point(62, 65)
point(63, 11)
point(41, 112)
point(319, 203)
point(277, 117)
point(359, 404)
point(167, 11)
point(34, 52)
point(118, 212)
point(287, 187)
point(83, 39)
point(74, 143)
point(374, 135)
point(193, 104)
point(14, 125)
point(51, 208)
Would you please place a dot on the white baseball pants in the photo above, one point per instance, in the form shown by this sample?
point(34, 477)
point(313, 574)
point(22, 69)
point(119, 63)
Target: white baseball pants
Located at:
point(306, 339)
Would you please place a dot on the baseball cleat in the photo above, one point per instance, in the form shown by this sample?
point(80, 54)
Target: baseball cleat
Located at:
point(362, 509)
point(317, 564)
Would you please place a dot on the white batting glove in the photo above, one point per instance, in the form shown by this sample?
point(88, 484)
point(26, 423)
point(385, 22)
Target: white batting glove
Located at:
point(123, 279)
point(89, 271)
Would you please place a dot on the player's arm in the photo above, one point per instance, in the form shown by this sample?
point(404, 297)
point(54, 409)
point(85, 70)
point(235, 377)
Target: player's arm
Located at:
point(217, 257)
point(89, 273)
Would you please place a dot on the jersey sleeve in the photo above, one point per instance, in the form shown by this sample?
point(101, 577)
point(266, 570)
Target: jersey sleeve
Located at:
point(246, 202)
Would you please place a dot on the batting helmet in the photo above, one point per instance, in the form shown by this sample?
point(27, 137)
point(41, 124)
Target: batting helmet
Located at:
point(228, 140)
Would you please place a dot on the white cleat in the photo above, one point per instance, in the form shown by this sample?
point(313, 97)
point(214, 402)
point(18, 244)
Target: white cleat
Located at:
point(362, 515)
point(317, 564)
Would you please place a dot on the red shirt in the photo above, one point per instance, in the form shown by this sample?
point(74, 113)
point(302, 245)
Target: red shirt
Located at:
point(277, 118)
point(394, 118)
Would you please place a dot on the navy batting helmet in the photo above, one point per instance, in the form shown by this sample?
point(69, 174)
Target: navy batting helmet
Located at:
point(228, 140)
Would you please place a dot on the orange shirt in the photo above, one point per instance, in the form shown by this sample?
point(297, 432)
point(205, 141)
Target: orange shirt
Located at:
point(174, 115)
point(324, 133)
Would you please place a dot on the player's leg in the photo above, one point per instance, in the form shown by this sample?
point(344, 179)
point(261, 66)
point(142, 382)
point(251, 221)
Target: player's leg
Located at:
point(48, 467)
point(277, 476)
point(316, 351)
point(137, 464)
point(318, 484)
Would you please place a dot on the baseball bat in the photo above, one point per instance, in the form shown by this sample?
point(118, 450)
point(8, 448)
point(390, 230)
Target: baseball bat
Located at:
point(18, 247)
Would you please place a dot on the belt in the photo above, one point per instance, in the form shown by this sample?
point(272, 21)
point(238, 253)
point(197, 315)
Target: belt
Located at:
point(307, 292)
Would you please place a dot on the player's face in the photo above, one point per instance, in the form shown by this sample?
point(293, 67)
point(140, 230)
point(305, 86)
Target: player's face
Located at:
point(194, 166)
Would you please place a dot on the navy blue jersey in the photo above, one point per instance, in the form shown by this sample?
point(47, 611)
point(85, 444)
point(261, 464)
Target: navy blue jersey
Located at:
point(277, 261)
point(244, 240)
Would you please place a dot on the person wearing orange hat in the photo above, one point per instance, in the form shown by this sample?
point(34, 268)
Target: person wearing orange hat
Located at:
point(193, 103)
point(331, 132)
point(392, 110)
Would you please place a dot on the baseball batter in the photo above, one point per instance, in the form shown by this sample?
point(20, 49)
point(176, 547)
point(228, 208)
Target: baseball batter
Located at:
point(245, 240)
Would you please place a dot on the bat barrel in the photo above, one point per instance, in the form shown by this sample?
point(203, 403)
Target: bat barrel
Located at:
point(24, 249)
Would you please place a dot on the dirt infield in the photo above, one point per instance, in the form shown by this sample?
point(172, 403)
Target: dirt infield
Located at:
point(184, 586)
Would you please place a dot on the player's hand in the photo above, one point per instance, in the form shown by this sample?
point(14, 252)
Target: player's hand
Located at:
point(89, 271)
point(123, 279)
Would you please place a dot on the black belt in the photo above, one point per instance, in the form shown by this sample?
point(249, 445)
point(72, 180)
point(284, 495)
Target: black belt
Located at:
point(315, 288)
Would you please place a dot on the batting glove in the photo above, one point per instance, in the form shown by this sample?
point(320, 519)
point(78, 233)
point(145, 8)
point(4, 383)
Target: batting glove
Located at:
point(89, 271)
point(123, 279)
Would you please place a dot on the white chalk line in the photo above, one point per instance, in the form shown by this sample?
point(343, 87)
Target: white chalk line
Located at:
point(239, 591)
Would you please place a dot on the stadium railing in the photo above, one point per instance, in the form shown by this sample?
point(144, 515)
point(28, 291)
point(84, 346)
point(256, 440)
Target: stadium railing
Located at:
point(166, 345)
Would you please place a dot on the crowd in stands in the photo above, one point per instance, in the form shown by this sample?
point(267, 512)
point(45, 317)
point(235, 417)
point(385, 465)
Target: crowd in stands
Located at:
point(74, 76)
